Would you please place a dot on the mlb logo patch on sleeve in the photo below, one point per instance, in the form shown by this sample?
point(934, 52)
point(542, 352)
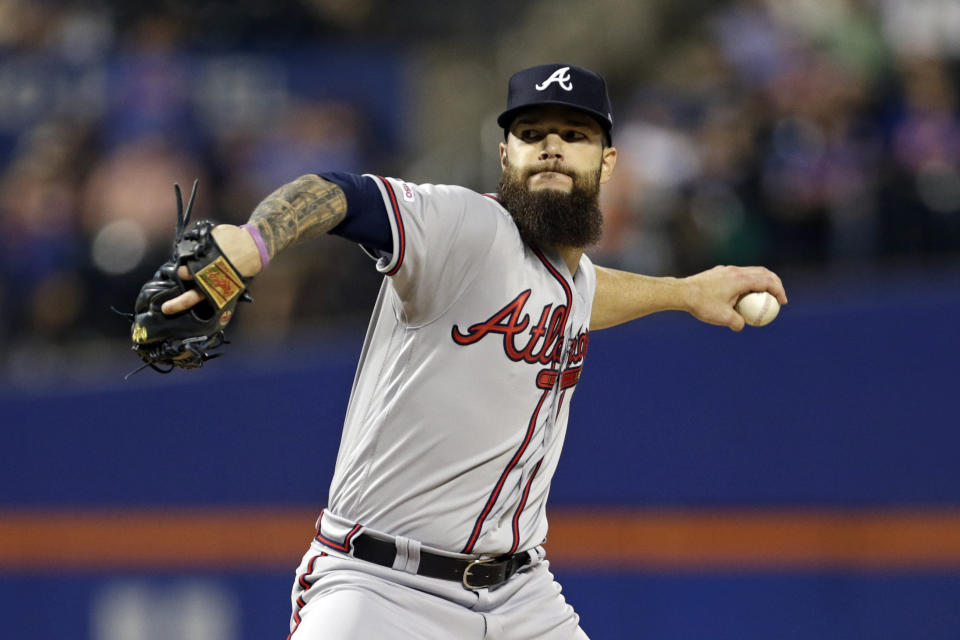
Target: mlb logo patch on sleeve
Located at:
point(407, 191)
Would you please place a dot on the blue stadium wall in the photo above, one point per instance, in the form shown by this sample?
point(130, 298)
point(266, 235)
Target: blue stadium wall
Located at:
point(847, 403)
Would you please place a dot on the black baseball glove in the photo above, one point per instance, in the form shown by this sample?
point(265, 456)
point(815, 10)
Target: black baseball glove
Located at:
point(187, 339)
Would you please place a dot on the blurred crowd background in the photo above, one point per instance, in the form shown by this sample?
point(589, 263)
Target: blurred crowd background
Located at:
point(813, 136)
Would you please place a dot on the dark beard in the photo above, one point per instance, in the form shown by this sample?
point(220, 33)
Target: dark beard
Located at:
point(551, 218)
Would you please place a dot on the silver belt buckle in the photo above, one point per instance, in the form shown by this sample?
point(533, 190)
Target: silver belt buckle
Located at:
point(466, 573)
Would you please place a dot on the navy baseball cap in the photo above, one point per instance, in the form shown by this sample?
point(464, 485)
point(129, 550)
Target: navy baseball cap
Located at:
point(563, 84)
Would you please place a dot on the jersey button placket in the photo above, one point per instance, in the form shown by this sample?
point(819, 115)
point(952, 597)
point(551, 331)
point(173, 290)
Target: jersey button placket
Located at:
point(557, 391)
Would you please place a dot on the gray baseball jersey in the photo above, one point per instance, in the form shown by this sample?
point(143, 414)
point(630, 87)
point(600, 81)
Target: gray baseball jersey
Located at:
point(460, 403)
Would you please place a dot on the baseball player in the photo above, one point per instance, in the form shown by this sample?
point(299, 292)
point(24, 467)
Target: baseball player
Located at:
point(457, 416)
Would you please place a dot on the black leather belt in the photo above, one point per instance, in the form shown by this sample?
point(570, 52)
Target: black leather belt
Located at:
point(472, 574)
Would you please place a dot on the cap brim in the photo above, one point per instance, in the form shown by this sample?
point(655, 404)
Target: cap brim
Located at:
point(505, 118)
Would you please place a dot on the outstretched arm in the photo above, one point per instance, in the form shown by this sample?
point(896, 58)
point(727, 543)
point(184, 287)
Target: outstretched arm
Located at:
point(709, 296)
point(304, 208)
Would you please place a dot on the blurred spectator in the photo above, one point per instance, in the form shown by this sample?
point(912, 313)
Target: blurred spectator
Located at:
point(40, 241)
point(922, 182)
point(922, 28)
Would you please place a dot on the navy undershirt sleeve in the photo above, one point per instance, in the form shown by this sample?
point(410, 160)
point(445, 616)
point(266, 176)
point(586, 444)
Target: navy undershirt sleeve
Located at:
point(366, 222)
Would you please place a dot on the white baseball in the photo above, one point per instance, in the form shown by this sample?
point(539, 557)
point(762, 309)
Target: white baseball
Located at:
point(758, 308)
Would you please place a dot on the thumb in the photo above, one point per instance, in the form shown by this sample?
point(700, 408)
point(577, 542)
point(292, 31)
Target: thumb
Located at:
point(734, 320)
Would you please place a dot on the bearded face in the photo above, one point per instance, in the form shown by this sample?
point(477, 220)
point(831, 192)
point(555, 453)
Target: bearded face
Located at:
point(548, 217)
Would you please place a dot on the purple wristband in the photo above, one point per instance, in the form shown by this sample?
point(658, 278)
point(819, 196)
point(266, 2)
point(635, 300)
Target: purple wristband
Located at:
point(261, 246)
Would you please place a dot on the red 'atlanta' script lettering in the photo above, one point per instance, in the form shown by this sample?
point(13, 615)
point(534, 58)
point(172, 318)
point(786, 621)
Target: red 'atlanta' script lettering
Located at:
point(511, 321)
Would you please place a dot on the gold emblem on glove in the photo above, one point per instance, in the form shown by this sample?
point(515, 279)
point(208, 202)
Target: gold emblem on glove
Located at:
point(139, 333)
point(219, 281)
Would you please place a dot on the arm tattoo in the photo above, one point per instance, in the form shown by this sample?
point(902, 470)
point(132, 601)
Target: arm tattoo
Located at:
point(305, 208)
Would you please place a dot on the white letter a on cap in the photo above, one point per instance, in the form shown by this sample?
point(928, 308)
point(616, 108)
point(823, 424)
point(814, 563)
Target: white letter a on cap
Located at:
point(561, 76)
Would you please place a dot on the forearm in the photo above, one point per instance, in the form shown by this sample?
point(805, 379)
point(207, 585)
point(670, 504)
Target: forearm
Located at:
point(623, 296)
point(709, 296)
point(304, 208)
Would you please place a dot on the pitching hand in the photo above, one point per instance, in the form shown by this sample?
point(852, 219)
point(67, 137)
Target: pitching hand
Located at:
point(712, 294)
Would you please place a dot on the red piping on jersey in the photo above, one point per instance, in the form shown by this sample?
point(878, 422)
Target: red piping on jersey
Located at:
point(556, 274)
point(345, 545)
point(530, 427)
point(523, 503)
point(492, 197)
point(503, 476)
point(399, 221)
point(302, 581)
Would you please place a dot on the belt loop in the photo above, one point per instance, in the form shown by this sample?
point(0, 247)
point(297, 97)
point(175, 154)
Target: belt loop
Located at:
point(413, 557)
point(536, 554)
point(400, 561)
point(408, 555)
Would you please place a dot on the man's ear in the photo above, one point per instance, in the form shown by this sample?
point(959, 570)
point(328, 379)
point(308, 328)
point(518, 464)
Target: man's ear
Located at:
point(607, 161)
point(503, 155)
